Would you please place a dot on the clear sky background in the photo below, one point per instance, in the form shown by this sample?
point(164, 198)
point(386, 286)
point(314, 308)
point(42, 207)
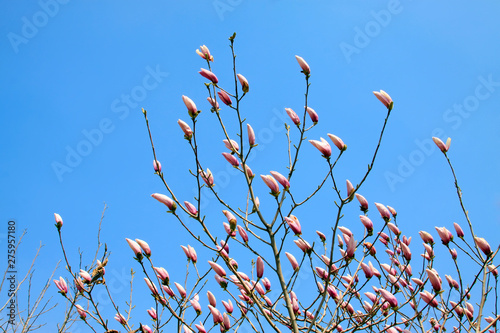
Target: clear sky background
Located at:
point(71, 70)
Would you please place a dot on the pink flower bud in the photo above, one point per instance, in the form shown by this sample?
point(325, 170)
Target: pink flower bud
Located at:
point(191, 208)
point(217, 268)
point(493, 270)
point(216, 315)
point(188, 132)
point(59, 220)
point(181, 290)
point(441, 145)
point(81, 311)
point(293, 116)
point(228, 306)
point(483, 245)
point(228, 229)
point(458, 229)
point(323, 146)
point(162, 274)
point(135, 247)
point(434, 279)
point(61, 285)
point(428, 298)
point(313, 115)
point(144, 246)
point(200, 327)
point(303, 245)
point(385, 99)
point(338, 142)
point(249, 172)
point(79, 285)
point(294, 224)
point(204, 52)
point(393, 228)
point(426, 237)
point(192, 110)
point(367, 223)
point(231, 145)
point(209, 75)
point(350, 188)
point(231, 219)
point(367, 270)
point(406, 251)
point(251, 135)
point(165, 200)
point(384, 212)
point(152, 313)
point(389, 297)
point(226, 322)
point(351, 248)
point(192, 254)
point(243, 234)
point(452, 283)
point(85, 275)
point(293, 261)
point(281, 179)
point(260, 267)
point(157, 166)
point(266, 283)
point(271, 183)
point(151, 286)
point(169, 291)
point(120, 318)
point(207, 177)
point(393, 211)
point(231, 159)
point(213, 103)
point(454, 253)
point(321, 236)
point(303, 64)
point(445, 234)
point(224, 97)
point(211, 299)
point(244, 83)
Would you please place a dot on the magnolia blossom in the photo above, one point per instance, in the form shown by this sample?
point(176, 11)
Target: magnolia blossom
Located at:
point(191, 208)
point(251, 135)
point(81, 311)
point(59, 220)
point(224, 97)
point(217, 268)
point(231, 159)
point(323, 146)
point(293, 261)
point(260, 267)
point(294, 224)
point(293, 116)
point(165, 200)
point(192, 110)
point(61, 285)
point(204, 52)
point(188, 132)
point(363, 203)
point(209, 75)
point(144, 246)
point(231, 145)
point(281, 179)
point(384, 212)
point(384, 98)
point(244, 83)
point(312, 114)
point(441, 145)
point(337, 142)
point(271, 183)
point(303, 64)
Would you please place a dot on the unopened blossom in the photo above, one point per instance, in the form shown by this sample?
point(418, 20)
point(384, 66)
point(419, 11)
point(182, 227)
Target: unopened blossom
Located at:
point(389, 297)
point(165, 200)
point(369, 246)
point(209, 75)
point(445, 234)
point(293, 261)
point(350, 188)
point(231, 219)
point(192, 110)
point(120, 318)
point(216, 315)
point(191, 208)
point(441, 145)
point(454, 253)
point(458, 230)
point(228, 306)
point(281, 179)
point(323, 146)
point(260, 267)
point(243, 234)
point(312, 114)
point(231, 145)
point(217, 268)
point(434, 279)
point(303, 245)
point(452, 282)
point(393, 228)
point(162, 274)
point(204, 52)
point(429, 298)
point(188, 132)
point(367, 223)
point(244, 83)
point(157, 166)
point(200, 327)
point(224, 97)
point(249, 172)
point(61, 285)
point(266, 283)
point(251, 135)
point(493, 270)
point(271, 183)
point(59, 220)
point(384, 98)
point(85, 275)
point(181, 290)
point(192, 254)
point(151, 286)
point(231, 159)
point(213, 103)
point(321, 236)
point(384, 212)
point(228, 230)
point(144, 246)
point(351, 248)
point(392, 210)
point(426, 237)
point(337, 142)
point(211, 298)
point(135, 247)
point(367, 270)
point(483, 245)
point(207, 177)
point(294, 224)
point(81, 311)
point(406, 251)
point(293, 116)
point(79, 285)
point(152, 313)
point(303, 65)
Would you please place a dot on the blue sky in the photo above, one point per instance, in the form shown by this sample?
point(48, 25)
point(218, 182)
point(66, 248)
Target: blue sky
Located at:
point(75, 76)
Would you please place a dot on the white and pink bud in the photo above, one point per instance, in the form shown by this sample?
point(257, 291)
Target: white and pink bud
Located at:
point(135, 247)
point(313, 115)
point(224, 97)
point(217, 268)
point(293, 261)
point(85, 275)
point(120, 318)
point(384, 98)
point(271, 183)
point(323, 146)
point(191, 208)
point(389, 297)
point(213, 103)
point(293, 116)
point(384, 212)
point(350, 189)
point(294, 224)
point(188, 132)
point(260, 267)
point(281, 179)
point(209, 75)
point(162, 274)
point(165, 200)
point(59, 221)
point(231, 219)
point(204, 52)
point(231, 145)
point(244, 83)
point(192, 110)
point(207, 177)
point(231, 159)
point(337, 142)
point(243, 234)
point(445, 234)
point(441, 145)
point(303, 65)
point(61, 285)
point(157, 166)
point(144, 246)
point(251, 135)
point(483, 245)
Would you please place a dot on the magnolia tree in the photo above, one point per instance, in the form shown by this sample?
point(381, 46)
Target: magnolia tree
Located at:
point(358, 282)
